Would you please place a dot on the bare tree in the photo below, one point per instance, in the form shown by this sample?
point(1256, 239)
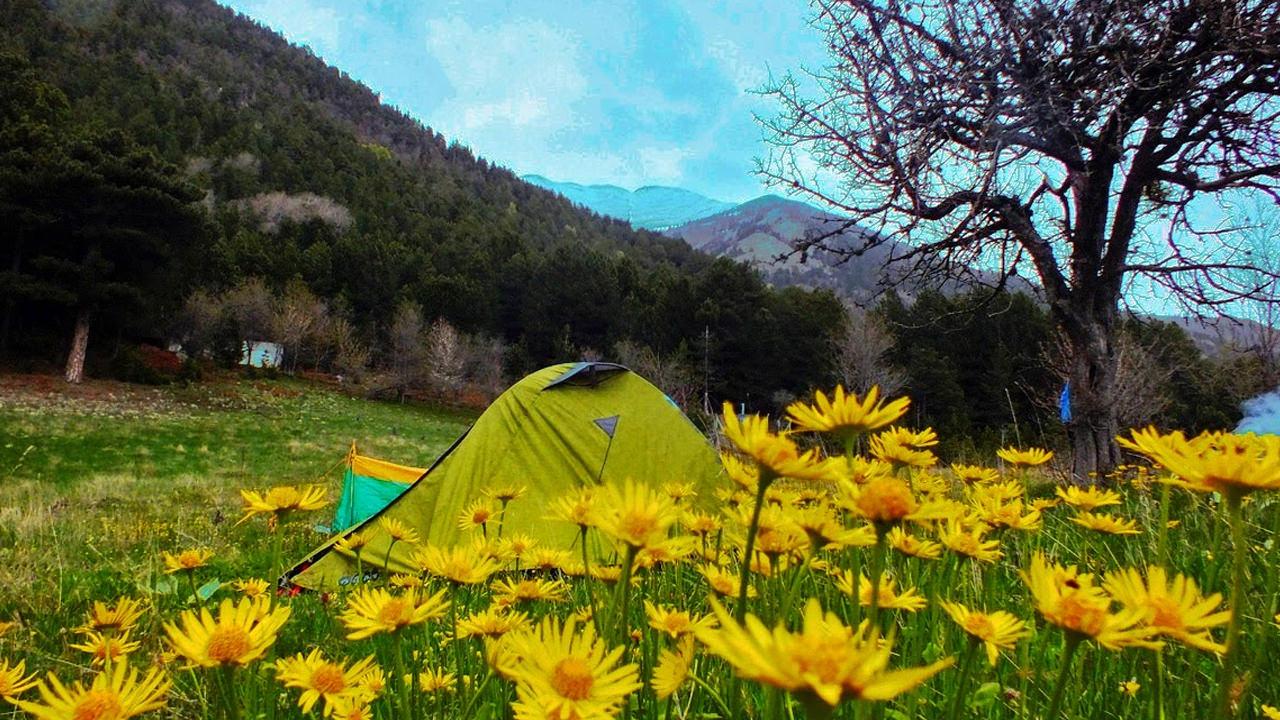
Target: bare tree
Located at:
point(445, 357)
point(350, 355)
point(861, 352)
point(1071, 135)
point(252, 307)
point(483, 364)
point(1141, 381)
point(299, 317)
point(408, 360)
point(670, 373)
point(198, 324)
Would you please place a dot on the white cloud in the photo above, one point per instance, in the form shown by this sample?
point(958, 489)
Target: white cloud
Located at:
point(520, 75)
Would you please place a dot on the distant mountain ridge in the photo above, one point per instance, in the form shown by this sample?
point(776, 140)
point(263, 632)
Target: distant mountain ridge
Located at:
point(652, 207)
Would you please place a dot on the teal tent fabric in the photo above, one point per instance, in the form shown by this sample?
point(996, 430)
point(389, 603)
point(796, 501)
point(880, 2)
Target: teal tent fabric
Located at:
point(362, 496)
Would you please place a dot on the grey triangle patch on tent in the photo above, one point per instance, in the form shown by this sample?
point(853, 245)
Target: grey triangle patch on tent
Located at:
point(607, 424)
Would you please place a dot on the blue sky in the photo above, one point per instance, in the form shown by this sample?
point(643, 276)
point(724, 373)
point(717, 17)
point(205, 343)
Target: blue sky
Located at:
point(628, 92)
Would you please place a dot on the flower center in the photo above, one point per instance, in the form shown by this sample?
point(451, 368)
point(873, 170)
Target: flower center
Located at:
point(394, 612)
point(636, 526)
point(329, 679)
point(228, 643)
point(886, 500)
point(979, 626)
point(572, 678)
point(1081, 615)
point(98, 705)
point(1167, 614)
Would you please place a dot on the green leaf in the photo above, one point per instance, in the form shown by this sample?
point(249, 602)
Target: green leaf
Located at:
point(207, 590)
point(984, 695)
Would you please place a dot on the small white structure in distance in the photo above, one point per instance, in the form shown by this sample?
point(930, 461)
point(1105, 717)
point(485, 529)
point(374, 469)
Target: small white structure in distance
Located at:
point(262, 354)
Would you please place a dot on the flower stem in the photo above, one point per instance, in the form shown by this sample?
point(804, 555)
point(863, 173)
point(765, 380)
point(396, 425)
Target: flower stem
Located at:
point(877, 568)
point(1159, 681)
point(624, 591)
point(586, 578)
point(398, 651)
point(740, 611)
point(815, 708)
point(966, 667)
point(1234, 514)
point(1068, 652)
point(226, 678)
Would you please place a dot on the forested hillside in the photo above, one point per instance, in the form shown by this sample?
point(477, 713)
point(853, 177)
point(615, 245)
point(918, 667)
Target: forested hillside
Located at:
point(305, 177)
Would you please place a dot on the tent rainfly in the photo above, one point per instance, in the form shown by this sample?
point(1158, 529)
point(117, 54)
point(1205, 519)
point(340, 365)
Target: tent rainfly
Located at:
point(563, 427)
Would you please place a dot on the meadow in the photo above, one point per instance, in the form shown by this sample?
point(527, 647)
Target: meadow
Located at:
point(999, 593)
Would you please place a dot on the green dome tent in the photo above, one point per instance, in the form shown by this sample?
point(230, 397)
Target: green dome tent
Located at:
point(562, 427)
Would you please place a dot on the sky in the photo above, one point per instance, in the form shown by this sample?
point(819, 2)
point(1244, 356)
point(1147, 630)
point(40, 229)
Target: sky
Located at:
point(622, 92)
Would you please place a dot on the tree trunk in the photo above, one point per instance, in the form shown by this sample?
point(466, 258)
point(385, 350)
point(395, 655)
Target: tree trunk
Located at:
point(1093, 425)
point(79, 344)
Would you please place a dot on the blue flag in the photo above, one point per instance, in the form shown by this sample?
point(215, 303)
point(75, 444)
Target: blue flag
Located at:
point(1064, 403)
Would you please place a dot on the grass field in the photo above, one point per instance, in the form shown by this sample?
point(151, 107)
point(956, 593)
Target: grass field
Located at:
point(100, 481)
point(97, 480)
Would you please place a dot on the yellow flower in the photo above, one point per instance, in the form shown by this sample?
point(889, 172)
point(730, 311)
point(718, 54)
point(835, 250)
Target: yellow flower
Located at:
point(1234, 465)
point(996, 492)
point(432, 680)
point(826, 659)
point(671, 550)
point(861, 470)
point(476, 515)
point(374, 610)
point(844, 415)
point(351, 708)
point(775, 455)
point(519, 544)
point(545, 558)
point(279, 501)
point(398, 531)
point(1175, 609)
point(1008, 515)
point(459, 564)
point(722, 581)
point(506, 493)
point(1130, 687)
point(186, 561)
point(319, 678)
point(121, 617)
point(1090, 498)
point(402, 581)
point(577, 508)
point(240, 635)
point(1102, 522)
point(493, 622)
point(1070, 600)
point(352, 543)
point(890, 599)
point(1025, 458)
point(679, 490)
point(672, 668)
point(251, 587)
point(509, 591)
point(14, 681)
point(885, 501)
point(975, 474)
point(701, 524)
point(968, 541)
point(997, 630)
point(106, 649)
point(909, 544)
point(1270, 713)
point(566, 674)
point(675, 622)
point(894, 449)
point(7, 625)
point(635, 515)
point(116, 694)
point(914, 439)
